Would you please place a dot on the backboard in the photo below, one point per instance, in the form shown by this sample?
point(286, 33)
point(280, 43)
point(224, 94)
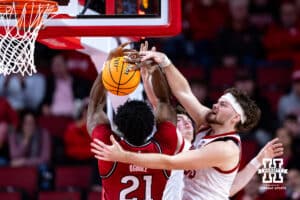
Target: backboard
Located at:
point(155, 18)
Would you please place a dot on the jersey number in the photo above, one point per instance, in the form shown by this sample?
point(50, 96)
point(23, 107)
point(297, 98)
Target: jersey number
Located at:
point(135, 185)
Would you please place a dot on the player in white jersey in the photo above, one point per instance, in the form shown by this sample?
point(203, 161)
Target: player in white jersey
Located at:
point(184, 128)
point(214, 161)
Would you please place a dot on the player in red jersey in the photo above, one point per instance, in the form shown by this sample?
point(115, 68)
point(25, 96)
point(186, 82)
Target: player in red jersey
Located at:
point(133, 128)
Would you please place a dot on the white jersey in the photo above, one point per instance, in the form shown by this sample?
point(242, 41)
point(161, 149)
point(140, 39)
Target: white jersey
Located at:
point(210, 183)
point(174, 187)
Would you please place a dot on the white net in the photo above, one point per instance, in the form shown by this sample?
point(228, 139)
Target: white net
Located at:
point(17, 41)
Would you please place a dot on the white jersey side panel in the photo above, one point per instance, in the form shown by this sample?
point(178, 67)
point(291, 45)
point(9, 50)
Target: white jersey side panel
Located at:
point(174, 187)
point(209, 183)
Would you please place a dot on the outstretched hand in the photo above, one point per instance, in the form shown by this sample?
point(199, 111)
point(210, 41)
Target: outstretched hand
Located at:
point(272, 149)
point(106, 152)
point(121, 51)
point(160, 58)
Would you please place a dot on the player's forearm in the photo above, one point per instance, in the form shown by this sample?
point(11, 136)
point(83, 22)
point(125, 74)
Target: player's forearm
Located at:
point(97, 94)
point(149, 91)
point(188, 160)
point(177, 82)
point(148, 160)
point(242, 178)
point(96, 104)
point(160, 86)
point(182, 91)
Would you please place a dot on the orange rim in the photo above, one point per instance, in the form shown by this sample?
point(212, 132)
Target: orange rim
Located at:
point(33, 6)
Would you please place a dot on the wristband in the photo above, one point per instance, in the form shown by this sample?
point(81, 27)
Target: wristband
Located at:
point(255, 163)
point(165, 62)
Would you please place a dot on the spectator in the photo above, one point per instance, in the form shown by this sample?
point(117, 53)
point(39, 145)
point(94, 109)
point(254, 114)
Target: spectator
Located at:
point(197, 12)
point(251, 190)
point(238, 43)
point(291, 123)
point(198, 31)
point(77, 145)
point(290, 103)
point(285, 138)
point(13, 88)
point(4, 149)
point(8, 120)
point(35, 91)
point(293, 184)
point(261, 13)
point(62, 89)
point(23, 92)
point(246, 82)
point(7, 114)
point(29, 145)
point(282, 39)
point(77, 140)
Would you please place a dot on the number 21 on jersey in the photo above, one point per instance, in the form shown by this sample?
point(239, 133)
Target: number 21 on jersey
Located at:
point(135, 184)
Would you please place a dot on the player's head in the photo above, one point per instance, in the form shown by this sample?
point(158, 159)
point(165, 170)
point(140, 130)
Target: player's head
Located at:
point(184, 124)
point(135, 120)
point(235, 108)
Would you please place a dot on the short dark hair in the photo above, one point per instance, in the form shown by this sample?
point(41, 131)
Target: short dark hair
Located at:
point(251, 110)
point(135, 120)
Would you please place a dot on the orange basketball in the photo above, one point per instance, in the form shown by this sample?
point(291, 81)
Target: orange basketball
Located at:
point(118, 79)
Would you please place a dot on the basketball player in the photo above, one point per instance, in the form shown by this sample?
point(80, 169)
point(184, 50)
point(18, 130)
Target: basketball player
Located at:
point(133, 128)
point(211, 167)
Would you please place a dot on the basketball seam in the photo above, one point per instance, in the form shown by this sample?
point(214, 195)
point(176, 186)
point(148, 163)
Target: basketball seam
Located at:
point(117, 87)
point(118, 92)
point(120, 78)
point(128, 79)
point(109, 70)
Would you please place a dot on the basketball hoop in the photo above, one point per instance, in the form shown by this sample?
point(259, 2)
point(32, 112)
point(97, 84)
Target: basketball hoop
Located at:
point(21, 21)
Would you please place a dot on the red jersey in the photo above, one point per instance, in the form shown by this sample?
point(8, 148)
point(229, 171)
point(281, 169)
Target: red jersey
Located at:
point(127, 181)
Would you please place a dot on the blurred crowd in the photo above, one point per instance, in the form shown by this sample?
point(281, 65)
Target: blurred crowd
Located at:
point(252, 45)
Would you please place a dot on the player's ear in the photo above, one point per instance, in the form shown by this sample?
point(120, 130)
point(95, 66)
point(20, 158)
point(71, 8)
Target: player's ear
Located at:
point(236, 118)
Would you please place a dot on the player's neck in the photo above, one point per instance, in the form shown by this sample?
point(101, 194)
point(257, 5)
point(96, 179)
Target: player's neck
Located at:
point(217, 129)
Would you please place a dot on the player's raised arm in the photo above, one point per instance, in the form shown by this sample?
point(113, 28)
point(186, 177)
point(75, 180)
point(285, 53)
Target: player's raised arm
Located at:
point(95, 112)
point(271, 150)
point(146, 77)
point(179, 86)
point(164, 110)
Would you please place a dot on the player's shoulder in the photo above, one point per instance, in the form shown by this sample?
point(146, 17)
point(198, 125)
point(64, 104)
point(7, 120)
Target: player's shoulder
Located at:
point(101, 130)
point(165, 124)
point(224, 147)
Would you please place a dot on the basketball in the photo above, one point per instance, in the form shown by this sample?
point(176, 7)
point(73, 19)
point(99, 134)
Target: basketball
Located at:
point(118, 79)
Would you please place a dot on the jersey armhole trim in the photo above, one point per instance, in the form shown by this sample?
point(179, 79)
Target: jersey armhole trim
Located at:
point(110, 172)
point(238, 143)
point(165, 172)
